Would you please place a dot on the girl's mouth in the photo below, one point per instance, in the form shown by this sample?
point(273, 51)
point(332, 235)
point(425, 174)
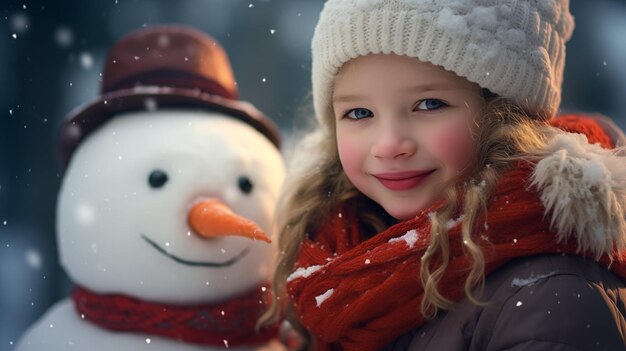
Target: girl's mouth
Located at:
point(399, 181)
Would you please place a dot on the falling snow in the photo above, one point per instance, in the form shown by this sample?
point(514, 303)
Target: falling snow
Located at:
point(33, 259)
point(20, 23)
point(64, 37)
point(86, 60)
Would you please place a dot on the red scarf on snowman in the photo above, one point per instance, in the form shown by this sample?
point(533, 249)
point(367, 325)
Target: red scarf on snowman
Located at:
point(354, 293)
point(226, 324)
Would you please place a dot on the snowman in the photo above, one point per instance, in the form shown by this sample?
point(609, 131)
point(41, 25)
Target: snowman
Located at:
point(165, 210)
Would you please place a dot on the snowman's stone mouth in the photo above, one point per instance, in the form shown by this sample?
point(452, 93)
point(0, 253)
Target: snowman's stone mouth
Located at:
point(227, 263)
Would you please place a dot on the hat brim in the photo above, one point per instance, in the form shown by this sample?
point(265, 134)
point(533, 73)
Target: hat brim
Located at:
point(84, 119)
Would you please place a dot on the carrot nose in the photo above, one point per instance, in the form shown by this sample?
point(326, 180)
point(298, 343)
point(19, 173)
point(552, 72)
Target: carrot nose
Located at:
point(211, 218)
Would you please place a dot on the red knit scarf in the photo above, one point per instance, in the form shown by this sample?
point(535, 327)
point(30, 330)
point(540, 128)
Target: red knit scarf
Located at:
point(354, 293)
point(230, 323)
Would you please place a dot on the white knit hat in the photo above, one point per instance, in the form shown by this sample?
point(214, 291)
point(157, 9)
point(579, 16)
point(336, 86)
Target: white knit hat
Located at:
point(514, 48)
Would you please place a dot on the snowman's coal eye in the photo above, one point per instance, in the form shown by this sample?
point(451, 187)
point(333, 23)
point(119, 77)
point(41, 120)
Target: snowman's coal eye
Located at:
point(245, 184)
point(157, 178)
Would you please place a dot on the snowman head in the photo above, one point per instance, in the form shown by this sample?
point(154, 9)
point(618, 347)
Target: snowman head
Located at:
point(124, 222)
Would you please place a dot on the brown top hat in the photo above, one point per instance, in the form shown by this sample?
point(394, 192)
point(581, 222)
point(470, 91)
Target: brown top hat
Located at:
point(163, 66)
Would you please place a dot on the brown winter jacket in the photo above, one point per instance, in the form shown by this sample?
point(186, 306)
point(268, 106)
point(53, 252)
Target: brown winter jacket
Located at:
point(548, 302)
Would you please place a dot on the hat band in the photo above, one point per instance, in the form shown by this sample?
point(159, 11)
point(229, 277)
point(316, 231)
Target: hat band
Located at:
point(171, 79)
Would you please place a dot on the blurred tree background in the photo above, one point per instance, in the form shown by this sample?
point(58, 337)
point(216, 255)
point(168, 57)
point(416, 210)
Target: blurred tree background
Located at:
point(51, 59)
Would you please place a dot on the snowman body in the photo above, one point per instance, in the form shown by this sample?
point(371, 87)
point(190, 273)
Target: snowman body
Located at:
point(122, 221)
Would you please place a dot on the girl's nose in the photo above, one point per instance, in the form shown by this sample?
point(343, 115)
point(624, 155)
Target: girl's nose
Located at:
point(211, 218)
point(394, 141)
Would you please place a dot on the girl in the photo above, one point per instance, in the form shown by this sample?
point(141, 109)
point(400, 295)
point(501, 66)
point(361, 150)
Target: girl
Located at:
point(440, 204)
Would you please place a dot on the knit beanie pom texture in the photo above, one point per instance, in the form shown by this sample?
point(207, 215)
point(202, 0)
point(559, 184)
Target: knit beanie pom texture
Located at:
point(514, 48)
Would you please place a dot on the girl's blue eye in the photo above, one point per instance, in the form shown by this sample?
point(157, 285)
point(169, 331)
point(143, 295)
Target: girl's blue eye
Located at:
point(359, 113)
point(430, 104)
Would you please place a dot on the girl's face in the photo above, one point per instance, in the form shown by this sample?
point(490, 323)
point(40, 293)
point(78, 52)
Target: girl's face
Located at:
point(404, 129)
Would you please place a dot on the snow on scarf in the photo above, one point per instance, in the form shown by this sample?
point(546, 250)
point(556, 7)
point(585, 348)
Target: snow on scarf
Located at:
point(357, 294)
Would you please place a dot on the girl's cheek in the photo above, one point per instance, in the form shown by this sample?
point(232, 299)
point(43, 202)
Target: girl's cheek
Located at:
point(455, 146)
point(348, 155)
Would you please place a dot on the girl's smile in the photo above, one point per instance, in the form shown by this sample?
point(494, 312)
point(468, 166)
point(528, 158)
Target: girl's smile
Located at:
point(399, 181)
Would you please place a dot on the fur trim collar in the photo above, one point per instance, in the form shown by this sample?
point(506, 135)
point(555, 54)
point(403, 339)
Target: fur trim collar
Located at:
point(583, 188)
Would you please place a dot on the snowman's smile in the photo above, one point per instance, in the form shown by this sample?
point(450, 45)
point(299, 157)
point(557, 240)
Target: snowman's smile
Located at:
point(196, 263)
